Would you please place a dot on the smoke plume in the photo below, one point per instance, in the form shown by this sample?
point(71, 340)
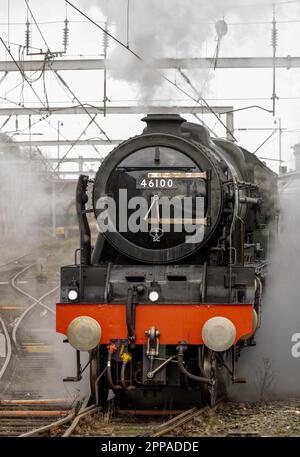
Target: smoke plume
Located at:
point(25, 198)
point(169, 28)
point(272, 368)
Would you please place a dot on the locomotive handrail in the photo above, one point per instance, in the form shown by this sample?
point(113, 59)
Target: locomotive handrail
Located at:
point(84, 228)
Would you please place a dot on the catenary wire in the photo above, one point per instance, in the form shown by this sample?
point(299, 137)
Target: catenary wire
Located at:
point(141, 59)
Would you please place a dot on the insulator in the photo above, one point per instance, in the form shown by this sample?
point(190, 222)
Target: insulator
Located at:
point(66, 35)
point(27, 36)
point(105, 42)
point(274, 35)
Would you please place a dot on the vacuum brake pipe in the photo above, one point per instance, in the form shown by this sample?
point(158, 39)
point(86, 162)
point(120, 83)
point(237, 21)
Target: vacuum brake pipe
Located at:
point(123, 382)
point(181, 348)
point(111, 350)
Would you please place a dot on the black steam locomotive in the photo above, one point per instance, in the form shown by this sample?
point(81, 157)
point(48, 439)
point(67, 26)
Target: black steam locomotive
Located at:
point(171, 291)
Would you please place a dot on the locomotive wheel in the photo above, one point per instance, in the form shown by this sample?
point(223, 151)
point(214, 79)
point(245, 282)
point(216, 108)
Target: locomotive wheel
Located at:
point(96, 367)
point(210, 368)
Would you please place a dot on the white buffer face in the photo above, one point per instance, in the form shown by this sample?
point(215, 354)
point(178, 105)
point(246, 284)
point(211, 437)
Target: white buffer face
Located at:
point(84, 333)
point(218, 333)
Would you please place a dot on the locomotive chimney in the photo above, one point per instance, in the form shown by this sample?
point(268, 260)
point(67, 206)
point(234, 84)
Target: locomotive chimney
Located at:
point(163, 123)
point(296, 148)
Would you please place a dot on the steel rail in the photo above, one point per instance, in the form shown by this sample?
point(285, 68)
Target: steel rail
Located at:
point(75, 418)
point(39, 401)
point(9, 349)
point(15, 259)
point(178, 421)
point(85, 412)
point(35, 301)
point(48, 427)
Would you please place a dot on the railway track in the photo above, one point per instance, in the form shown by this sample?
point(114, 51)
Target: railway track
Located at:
point(17, 417)
point(30, 362)
point(178, 421)
point(3, 324)
point(13, 260)
point(116, 427)
point(9, 328)
point(148, 424)
point(26, 295)
point(66, 425)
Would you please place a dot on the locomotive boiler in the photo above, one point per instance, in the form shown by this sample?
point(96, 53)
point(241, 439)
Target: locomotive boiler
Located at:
point(171, 292)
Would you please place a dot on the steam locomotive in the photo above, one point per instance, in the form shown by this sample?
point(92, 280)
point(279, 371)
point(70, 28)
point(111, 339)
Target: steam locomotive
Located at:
point(171, 292)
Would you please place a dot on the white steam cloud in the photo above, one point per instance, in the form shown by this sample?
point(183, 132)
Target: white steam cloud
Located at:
point(25, 202)
point(272, 368)
point(166, 28)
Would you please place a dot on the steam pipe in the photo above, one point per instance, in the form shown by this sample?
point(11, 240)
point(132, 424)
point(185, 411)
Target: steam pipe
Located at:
point(109, 375)
point(84, 228)
point(180, 353)
point(130, 387)
point(130, 315)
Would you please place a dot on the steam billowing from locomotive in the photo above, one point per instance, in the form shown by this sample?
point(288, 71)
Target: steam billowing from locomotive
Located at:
point(145, 27)
point(272, 367)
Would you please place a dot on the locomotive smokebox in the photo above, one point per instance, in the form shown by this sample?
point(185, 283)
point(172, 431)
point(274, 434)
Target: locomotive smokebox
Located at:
point(84, 333)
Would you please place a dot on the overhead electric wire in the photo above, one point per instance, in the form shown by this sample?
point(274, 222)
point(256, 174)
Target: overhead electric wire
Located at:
point(61, 79)
point(82, 106)
point(71, 99)
point(187, 79)
point(37, 26)
point(264, 142)
point(40, 102)
point(8, 20)
point(21, 71)
point(18, 85)
point(103, 30)
point(11, 43)
point(142, 60)
point(47, 107)
point(5, 122)
point(27, 81)
point(3, 76)
point(75, 142)
point(36, 112)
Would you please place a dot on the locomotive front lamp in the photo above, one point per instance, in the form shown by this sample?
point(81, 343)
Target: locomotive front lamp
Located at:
point(153, 295)
point(84, 333)
point(218, 333)
point(73, 294)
